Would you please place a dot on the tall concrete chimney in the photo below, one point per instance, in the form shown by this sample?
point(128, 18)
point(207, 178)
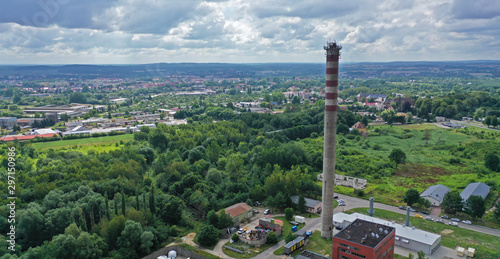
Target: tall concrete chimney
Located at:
point(407, 221)
point(370, 210)
point(330, 131)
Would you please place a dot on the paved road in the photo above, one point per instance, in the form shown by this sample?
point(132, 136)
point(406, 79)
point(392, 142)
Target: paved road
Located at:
point(352, 202)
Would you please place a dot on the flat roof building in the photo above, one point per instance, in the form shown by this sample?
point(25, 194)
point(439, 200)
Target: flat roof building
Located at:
point(364, 239)
point(8, 122)
point(406, 237)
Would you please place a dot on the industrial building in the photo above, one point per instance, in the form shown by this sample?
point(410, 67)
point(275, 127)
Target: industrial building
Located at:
point(406, 237)
point(364, 239)
point(435, 194)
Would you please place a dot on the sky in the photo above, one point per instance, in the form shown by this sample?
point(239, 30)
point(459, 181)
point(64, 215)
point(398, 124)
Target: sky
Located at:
point(246, 31)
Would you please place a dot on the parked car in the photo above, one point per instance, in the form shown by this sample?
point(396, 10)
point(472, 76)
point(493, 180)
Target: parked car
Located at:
point(412, 209)
point(341, 203)
point(425, 212)
point(445, 217)
point(439, 221)
point(240, 231)
point(402, 208)
point(451, 223)
point(255, 211)
point(466, 222)
point(256, 204)
point(336, 197)
point(455, 219)
point(418, 216)
point(429, 218)
point(267, 211)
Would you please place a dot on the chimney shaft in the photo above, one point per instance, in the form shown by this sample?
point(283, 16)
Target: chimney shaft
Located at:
point(330, 131)
point(407, 221)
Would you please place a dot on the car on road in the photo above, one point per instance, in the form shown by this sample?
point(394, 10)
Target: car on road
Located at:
point(466, 222)
point(240, 231)
point(429, 218)
point(256, 204)
point(452, 223)
point(412, 209)
point(341, 203)
point(267, 211)
point(402, 208)
point(418, 216)
point(255, 211)
point(425, 212)
point(455, 219)
point(445, 217)
point(439, 221)
point(335, 197)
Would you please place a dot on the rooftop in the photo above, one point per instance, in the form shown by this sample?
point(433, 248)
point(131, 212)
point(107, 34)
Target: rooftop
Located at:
point(479, 189)
point(310, 203)
point(365, 232)
point(310, 255)
point(436, 191)
point(237, 209)
point(402, 231)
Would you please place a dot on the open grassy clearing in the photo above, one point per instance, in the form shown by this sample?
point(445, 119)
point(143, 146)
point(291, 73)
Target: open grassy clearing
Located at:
point(487, 246)
point(83, 142)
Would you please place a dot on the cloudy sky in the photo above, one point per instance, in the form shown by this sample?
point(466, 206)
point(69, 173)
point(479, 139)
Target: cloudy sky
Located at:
point(241, 31)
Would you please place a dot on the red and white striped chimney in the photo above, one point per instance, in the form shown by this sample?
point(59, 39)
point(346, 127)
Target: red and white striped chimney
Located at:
point(330, 139)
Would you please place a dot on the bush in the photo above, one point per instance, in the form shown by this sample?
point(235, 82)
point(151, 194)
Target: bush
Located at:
point(272, 238)
point(289, 213)
point(208, 236)
point(290, 237)
point(235, 237)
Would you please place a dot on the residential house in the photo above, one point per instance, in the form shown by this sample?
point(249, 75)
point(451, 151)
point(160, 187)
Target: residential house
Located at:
point(312, 206)
point(435, 194)
point(359, 126)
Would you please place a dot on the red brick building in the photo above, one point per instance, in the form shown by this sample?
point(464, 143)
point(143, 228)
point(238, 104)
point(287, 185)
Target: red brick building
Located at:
point(364, 239)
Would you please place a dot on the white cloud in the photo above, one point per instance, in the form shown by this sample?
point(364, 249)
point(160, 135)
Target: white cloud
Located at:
point(143, 31)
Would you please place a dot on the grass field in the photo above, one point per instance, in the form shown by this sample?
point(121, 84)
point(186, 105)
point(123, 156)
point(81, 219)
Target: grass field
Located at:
point(85, 143)
point(487, 246)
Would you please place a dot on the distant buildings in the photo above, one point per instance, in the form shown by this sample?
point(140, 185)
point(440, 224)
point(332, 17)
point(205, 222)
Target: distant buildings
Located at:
point(8, 122)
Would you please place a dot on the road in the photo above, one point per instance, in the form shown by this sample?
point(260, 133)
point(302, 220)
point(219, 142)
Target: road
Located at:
point(352, 202)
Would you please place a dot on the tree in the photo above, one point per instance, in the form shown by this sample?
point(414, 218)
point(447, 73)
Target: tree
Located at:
point(225, 219)
point(289, 213)
point(427, 136)
point(147, 238)
point(301, 205)
point(342, 128)
point(421, 255)
point(411, 196)
point(77, 97)
point(475, 206)
point(492, 161)
point(398, 156)
point(290, 237)
point(208, 236)
point(16, 99)
point(235, 237)
point(272, 238)
point(452, 202)
point(496, 212)
point(130, 239)
point(212, 218)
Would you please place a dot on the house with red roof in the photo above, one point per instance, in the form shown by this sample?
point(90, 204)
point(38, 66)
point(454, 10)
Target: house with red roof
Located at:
point(239, 211)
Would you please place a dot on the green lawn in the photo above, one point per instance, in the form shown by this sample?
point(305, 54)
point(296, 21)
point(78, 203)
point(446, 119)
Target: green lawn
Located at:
point(487, 246)
point(83, 142)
